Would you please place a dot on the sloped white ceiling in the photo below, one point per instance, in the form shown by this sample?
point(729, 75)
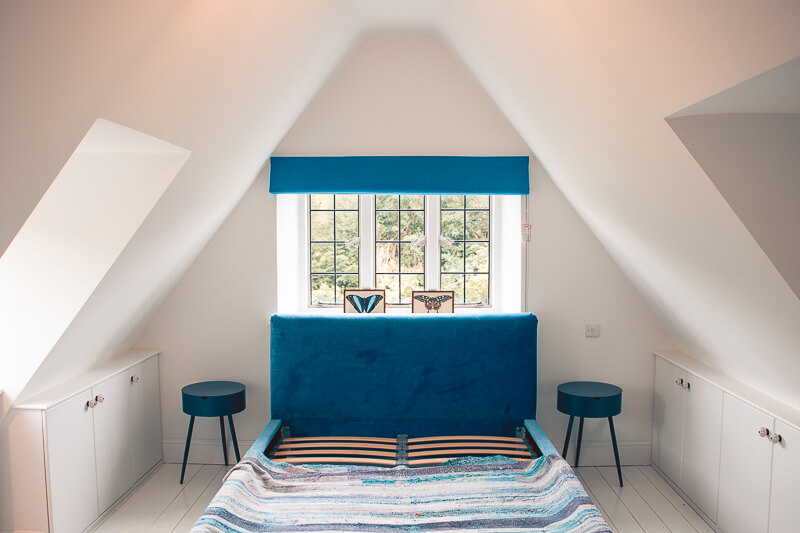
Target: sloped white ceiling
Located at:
point(586, 84)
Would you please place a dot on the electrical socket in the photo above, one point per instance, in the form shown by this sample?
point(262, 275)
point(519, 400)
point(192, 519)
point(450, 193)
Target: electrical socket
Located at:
point(592, 330)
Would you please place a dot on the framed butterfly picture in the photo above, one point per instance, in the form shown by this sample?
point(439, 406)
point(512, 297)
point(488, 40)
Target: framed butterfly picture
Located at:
point(364, 301)
point(432, 301)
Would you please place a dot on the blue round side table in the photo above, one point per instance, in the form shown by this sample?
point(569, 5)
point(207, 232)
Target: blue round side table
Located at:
point(213, 398)
point(590, 399)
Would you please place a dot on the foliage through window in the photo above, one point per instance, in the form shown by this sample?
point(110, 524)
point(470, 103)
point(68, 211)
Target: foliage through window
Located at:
point(452, 231)
point(333, 249)
point(465, 262)
point(399, 250)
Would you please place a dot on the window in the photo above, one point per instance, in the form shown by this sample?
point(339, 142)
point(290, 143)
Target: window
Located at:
point(465, 252)
point(400, 243)
point(333, 227)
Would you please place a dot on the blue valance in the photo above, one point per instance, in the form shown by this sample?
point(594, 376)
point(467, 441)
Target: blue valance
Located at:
point(400, 174)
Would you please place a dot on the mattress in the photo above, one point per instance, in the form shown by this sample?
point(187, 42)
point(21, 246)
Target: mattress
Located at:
point(473, 493)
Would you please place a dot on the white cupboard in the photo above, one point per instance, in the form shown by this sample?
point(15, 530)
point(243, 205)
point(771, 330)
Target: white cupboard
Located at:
point(784, 501)
point(745, 468)
point(732, 451)
point(99, 439)
point(687, 413)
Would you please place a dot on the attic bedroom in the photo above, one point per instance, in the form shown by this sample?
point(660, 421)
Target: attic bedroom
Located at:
point(652, 237)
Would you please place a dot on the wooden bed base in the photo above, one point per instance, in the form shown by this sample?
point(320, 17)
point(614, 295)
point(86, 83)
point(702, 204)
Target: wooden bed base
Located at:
point(276, 442)
point(400, 451)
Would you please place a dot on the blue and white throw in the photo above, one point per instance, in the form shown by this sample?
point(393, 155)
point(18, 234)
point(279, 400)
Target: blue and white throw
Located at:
point(484, 494)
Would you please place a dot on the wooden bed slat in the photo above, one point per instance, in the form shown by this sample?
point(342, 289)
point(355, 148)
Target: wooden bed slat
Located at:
point(467, 444)
point(334, 444)
point(328, 451)
point(470, 451)
point(340, 460)
point(440, 460)
point(364, 439)
point(466, 437)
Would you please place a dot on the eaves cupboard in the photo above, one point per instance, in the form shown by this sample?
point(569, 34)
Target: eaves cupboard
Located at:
point(99, 436)
point(732, 451)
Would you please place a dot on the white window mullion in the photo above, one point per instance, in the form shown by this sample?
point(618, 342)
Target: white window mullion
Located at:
point(367, 246)
point(432, 263)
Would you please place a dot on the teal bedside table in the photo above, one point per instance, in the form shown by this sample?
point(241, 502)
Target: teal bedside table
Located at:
point(590, 399)
point(213, 398)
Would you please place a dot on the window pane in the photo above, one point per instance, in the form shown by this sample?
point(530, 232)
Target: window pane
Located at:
point(347, 281)
point(412, 201)
point(321, 225)
point(477, 288)
point(453, 202)
point(453, 258)
point(453, 225)
point(477, 225)
point(412, 225)
point(386, 257)
point(412, 258)
point(386, 201)
point(477, 257)
point(346, 201)
point(455, 283)
point(321, 257)
point(390, 282)
point(321, 201)
point(477, 202)
point(346, 259)
point(322, 288)
point(346, 225)
point(386, 226)
point(412, 282)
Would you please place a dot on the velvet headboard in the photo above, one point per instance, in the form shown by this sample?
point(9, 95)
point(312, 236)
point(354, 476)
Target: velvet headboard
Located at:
point(417, 375)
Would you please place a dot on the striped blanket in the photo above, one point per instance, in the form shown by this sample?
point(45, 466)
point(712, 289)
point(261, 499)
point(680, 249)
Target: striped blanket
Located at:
point(484, 494)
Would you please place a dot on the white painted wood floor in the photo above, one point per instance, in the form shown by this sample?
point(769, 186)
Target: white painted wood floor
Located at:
point(646, 502)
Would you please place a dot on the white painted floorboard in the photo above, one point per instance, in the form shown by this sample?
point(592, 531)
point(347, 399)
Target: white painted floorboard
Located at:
point(646, 502)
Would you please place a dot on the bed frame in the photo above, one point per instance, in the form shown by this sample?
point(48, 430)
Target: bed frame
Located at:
point(424, 389)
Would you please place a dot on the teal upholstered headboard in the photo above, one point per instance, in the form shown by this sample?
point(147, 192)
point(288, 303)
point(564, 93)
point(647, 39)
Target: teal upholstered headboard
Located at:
point(417, 375)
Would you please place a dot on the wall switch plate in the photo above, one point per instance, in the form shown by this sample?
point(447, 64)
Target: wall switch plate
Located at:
point(592, 330)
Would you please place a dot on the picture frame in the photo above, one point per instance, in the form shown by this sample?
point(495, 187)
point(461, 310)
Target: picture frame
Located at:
point(365, 301)
point(432, 302)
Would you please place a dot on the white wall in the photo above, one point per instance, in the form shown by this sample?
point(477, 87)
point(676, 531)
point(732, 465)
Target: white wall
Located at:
point(409, 95)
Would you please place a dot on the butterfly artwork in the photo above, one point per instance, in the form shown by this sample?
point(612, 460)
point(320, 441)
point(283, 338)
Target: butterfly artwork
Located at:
point(432, 301)
point(364, 301)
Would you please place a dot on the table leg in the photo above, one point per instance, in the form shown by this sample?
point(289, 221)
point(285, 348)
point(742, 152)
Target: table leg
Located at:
point(566, 439)
point(580, 439)
point(224, 444)
point(186, 450)
point(233, 437)
point(616, 451)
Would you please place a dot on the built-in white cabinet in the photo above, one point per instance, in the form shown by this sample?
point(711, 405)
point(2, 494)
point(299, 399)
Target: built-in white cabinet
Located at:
point(99, 440)
point(687, 413)
point(728, 448)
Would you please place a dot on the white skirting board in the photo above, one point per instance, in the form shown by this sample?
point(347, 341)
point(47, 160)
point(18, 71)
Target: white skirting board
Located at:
point(593, 453)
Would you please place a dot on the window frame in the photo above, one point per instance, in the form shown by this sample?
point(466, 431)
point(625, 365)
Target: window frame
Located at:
point(367, 214)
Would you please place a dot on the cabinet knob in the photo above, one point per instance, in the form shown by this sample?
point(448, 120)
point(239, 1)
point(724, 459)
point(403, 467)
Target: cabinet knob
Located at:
point(679, 382)
point(775, 438)
point(134, 379)
point(99, 398)
point(686, 385)
point(90, 404)
point(763, 432)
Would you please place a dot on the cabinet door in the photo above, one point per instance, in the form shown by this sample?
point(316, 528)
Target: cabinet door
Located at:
point(702, 427)
point(745, 468)
point(784, 496)
point(146, 422)
point(112, 418)
point(70, 464)
point(667, 419)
